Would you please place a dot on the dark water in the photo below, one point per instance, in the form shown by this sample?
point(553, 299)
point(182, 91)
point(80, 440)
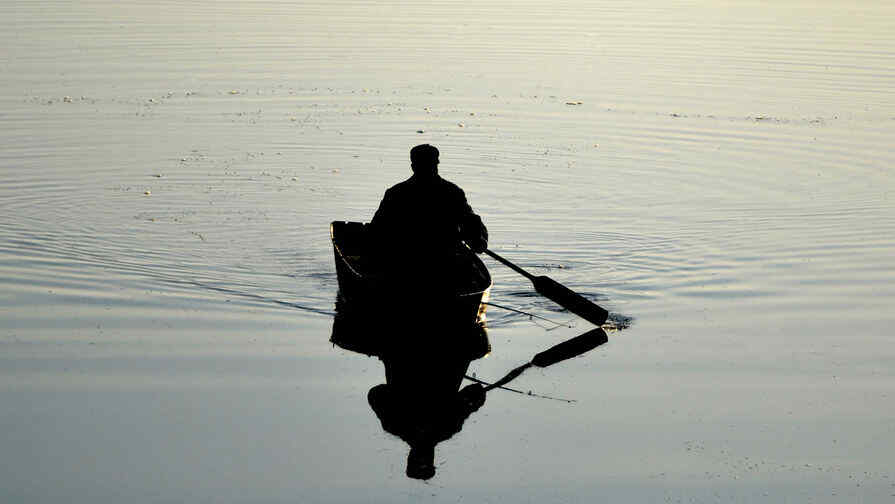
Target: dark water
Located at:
point(720, 173)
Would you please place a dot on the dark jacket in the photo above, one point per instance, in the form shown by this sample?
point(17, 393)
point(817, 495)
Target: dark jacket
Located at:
point(425, 217)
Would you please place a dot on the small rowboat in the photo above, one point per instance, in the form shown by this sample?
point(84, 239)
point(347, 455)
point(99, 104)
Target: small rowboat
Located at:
point(417, 295)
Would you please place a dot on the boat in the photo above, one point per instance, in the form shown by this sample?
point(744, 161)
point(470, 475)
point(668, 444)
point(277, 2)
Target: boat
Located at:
point(360, 283)
point(413, 302)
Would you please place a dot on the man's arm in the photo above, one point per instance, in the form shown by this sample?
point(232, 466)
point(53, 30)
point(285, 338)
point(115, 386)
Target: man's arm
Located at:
point(472, 229)
point(384, 211)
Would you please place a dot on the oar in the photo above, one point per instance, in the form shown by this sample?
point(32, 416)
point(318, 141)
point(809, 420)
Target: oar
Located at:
point(560, 294)
point(574, 347)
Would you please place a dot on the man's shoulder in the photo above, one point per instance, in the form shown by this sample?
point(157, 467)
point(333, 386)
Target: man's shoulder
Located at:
point(411, 187)
point(397, 188)
point(451, 187)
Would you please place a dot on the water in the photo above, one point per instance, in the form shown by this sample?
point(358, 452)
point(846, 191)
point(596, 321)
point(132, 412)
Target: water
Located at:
point(722, 173)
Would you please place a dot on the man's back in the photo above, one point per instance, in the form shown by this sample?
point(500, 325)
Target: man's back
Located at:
point(423, 215)
point(424, 218)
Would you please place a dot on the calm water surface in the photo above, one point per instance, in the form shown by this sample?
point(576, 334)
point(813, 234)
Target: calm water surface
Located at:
point(722, 172)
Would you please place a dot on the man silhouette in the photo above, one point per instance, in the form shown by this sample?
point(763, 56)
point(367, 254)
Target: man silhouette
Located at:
point(423, 219)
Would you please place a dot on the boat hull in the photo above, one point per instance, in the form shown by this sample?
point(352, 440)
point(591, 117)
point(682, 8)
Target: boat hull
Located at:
point(362, 289)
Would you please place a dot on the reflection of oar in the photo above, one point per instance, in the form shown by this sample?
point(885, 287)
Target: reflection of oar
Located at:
point(560, 294)
point(529, 393)
point(557, 353)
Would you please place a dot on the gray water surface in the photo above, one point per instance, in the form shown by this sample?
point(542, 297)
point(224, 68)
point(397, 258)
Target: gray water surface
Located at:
point(722, 172)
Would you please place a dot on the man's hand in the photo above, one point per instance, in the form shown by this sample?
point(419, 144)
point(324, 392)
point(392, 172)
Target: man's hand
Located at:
point(477, 245)
point(474, 233)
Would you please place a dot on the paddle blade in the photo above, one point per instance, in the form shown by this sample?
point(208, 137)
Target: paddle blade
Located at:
point(571, 348)
point(565, 297)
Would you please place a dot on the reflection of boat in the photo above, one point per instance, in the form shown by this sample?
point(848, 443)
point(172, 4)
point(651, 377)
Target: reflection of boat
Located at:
point(421, 401)
point(456, 291)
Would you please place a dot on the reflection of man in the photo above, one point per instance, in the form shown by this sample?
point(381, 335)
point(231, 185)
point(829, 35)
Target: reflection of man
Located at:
point(424, 426)
point(424, 218)
point(425, 361)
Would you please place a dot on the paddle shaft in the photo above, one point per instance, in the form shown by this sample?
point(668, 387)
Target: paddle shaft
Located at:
point(559, 294)
point(529, 393)
point(507, 263)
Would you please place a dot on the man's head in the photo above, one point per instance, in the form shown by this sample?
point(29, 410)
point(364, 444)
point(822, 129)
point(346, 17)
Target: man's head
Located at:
point(424, 160)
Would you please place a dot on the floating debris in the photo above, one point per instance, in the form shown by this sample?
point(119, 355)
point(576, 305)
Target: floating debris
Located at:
point(574, 103)
point(147, 192)
point(67, 99)
point(420, 131)
point(234, 91)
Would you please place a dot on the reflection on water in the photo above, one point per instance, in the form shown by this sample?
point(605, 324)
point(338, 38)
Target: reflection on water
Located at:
point(426, 359)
